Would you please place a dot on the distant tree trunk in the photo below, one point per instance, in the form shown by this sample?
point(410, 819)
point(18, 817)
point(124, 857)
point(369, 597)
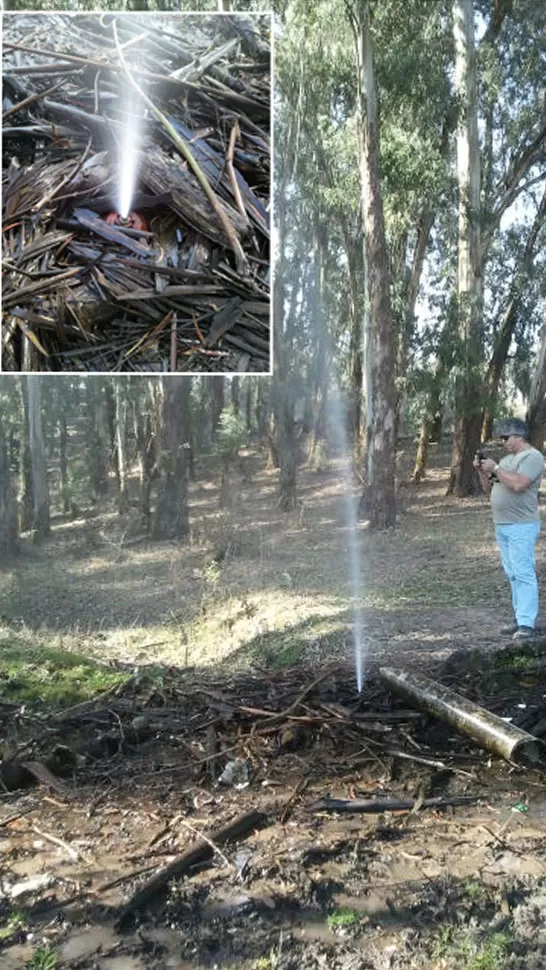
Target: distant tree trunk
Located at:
point(171, 519)
point(25, 503)
point(146, 420)
point(120, 425)
point(9, 539)
point(320, 363)
point(63, 461)
point(99, 444)
point(235, 392)
point(40, 490)
point(430, 421)
point(263, 407)
point(286, 443)
point(536, 412)
point(469, 396)
point(249, 386)
point(216, 389)
point(356, 349)
point(421, 459)
point(378, 500)
point(282, 446)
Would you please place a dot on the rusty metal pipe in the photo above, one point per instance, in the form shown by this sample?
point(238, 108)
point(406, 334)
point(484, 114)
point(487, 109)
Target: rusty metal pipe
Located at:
point(488, 730)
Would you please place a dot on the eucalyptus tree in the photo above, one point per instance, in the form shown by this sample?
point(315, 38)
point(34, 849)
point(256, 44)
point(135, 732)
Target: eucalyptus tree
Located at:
point(171, 517)
point(503, 92)
point(120, 388)
point(10, 419)
point(536, 412)
point(99, 436)
point(288, 124)
point(469, 276)
point(145, 410)
point(40, 488)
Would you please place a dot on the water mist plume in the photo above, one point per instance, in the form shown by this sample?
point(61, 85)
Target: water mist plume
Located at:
point(338, 419)
point(128, 148)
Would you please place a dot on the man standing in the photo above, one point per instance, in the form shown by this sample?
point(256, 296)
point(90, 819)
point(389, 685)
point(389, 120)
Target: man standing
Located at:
point(514, 483)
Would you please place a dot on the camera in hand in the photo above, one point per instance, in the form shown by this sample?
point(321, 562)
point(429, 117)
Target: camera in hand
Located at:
point(479, 457)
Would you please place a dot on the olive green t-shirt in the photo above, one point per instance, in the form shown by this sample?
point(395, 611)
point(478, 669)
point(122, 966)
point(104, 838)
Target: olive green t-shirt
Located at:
point(508, 506)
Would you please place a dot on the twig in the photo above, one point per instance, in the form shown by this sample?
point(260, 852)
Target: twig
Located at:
point(174, 346)
point(74, 855)
point(214, 847)
point(31, 99)
point(231, 171)
point(287, 810)
point(295, 704)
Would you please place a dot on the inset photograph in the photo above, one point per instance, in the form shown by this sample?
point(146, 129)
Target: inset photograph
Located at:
point(136, 179)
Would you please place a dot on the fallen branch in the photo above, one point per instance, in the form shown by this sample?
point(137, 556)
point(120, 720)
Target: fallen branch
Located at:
point(374, 806)
point(242, 826)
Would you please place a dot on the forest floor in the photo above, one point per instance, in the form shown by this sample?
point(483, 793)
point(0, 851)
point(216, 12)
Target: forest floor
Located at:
point(134, 673)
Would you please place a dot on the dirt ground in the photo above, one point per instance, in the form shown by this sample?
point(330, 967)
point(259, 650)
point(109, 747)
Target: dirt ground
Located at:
point(261, 596)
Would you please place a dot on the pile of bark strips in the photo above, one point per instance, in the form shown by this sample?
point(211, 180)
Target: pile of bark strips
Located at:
point(252, 724)
point(184, 283)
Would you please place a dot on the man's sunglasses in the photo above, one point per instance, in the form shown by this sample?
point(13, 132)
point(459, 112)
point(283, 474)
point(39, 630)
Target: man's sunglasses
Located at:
point(505, 437)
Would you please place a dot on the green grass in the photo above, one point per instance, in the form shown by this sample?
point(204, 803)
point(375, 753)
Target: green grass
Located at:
point(42, 676)
point(465, 948)
point(43, 958)
point(16, 921)
point(342, 917)
point(472, 889)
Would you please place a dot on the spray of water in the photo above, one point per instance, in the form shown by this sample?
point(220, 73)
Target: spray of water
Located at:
point(338, 425)
point(128, 148)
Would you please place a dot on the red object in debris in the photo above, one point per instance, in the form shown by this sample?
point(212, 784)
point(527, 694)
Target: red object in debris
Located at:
point(132, 221)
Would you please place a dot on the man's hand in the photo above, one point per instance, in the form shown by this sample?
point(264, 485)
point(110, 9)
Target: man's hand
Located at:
point(488, 466)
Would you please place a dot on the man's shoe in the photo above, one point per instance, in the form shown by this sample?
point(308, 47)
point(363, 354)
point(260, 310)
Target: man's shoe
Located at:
point(524, 633)
point(508, 631)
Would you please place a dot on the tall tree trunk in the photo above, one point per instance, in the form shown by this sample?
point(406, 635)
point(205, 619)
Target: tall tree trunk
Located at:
point(99, 443)
point(283, 443)
point(216, 389)
point(320, 363)
point(469, 399)
point(249, 389)
point(40, 490)
point(146, 421)
point(536, 411)
point(431, 420)
point(378, 500)
point(171, 519)
point(63, 461)
point(25, 503)
point(235, 389)
point(9, 539)
point(356, 348)
point(120, 426)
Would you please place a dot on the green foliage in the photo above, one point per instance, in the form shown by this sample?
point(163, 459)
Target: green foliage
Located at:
point(43, 958)
point(38, 675)
point(470, 949)
point(472, 889)
point(17, 921)
point(342, 917)
point(231, 433)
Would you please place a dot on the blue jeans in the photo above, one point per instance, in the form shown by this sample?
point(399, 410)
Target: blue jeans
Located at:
point(517, 548)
